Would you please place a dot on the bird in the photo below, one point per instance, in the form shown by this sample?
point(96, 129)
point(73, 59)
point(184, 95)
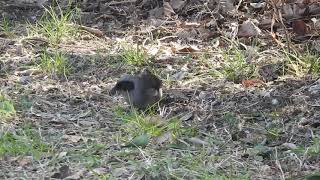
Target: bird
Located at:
point(141, 91)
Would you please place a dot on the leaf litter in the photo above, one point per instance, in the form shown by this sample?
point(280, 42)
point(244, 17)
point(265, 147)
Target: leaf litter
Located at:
point(261, 127)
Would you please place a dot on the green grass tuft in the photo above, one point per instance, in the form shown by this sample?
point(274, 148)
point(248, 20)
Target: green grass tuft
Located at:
point(136, 124)
point(6, 27)
point(235, 67)
point(55, 64)
point(301, 64)
point(134, 56)
point(7, 110)
point(26, 141)
point(55, 25)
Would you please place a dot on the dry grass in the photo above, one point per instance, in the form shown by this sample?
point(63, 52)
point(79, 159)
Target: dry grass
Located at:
point(209, 127)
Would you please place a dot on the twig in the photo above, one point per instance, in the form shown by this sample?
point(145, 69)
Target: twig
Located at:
point(279, 165)
point(121, 2)
point(91, 30)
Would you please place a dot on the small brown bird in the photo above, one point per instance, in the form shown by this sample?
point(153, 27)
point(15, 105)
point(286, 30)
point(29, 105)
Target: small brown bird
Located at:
point(141, 91)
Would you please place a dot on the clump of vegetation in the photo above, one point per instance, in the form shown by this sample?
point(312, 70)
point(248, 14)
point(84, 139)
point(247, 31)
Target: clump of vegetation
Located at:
point(55, 64)
point(142, 125)
point(55, 25)
point(88, 154)
point(7, 109)
point(300, 64)
point(6, 27)
point(26, 141)
point(235, 66)
point(134, 55)
point(312, 150)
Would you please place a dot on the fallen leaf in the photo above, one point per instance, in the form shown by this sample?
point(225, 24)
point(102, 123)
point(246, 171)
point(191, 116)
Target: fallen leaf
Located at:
point(64, 171)
point(188, 49)
point(190, 25)
point(198, 141)
point(164, 137)
point(167, 9)
point(187, 116)
point(77, 175)
point(62, 154)
point(258, 5)
point(299, 27)
point(289, 146)
point(251, 82)
point(227, 6)
point(119, 172)
point(25, 160)
point(139, 141)
point(72, 138)
point(100, 171)
point(248, 29)
point(177, 4)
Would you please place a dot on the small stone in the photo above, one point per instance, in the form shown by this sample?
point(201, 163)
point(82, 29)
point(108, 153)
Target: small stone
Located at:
point(274, 101)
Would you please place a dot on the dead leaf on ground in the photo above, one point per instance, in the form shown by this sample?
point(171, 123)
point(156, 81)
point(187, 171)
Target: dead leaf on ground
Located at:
point(197, 141)
point(248, 29)
point(166, 137)
point(299, 27)
point(227, 6)
point(63, 172)
point(167, 9)
point(185, 49)
point(73, 138)
point(177, 4)
point(252, 82)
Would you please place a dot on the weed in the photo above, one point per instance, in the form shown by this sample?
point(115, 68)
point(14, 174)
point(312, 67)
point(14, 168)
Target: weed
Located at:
point(231, 119)
point(6, 27)
point(137, 123)
point(7, 110)
point(189, 165)
point(54, 25)
point(274, 133)
point(235, 67)
point(24, 102)
point(55, 64)
point(302, 64)
point(134, 55)
point(89, 154)
point(26, 141)
point(315, 147)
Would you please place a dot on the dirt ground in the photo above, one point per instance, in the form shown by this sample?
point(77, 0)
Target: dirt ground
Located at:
point(71, 128)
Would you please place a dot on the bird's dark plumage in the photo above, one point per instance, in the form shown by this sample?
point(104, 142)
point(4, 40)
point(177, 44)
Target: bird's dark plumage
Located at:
point(141, 90)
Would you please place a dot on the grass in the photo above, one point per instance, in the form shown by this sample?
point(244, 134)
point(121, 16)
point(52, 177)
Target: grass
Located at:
point(315, 147)
point(134, 55)
point(178, 164)
point(300, 64)
point(231, 120)
point(89, 155)
point(55, 25)
point(235, 67)
point(55, 64)
point(312, 150)
point(137, 124)
point(25, 141)
point(7, 110)
point(7, 27)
